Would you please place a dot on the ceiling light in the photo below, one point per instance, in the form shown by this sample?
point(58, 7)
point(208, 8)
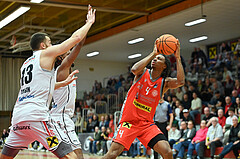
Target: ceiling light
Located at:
point(134, 56)
point(135, 41)
point(36, 1)
point(13, 16)
point(198, 21)
point(92, 54)
point(198, 39)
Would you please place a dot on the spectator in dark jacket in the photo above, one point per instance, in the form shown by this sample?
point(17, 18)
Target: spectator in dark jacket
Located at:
point(185, 140)
point(234, 140)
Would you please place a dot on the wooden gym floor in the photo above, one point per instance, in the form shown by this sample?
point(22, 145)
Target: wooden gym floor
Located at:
point(27, 154)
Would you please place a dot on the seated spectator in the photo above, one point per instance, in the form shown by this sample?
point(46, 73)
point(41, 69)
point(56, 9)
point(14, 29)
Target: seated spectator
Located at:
point(106, 121)
point(173, 135)
point(186, 116)
point(213, 139)
point(91, 111)
point(177, 110)
point(95, 121)
point(226, 73)
point(102, 121)
point(199, 137)
point(234, 140)
point(217, 101)
point(237, 105)
point(227, 106)
point(103, 98)
point(94, 142)
point(103, 141)
point(216, 88)
point(237, 86)
point(111, 123)
point(226, 128)
point(228, 85)
point(90, 125)
point(183, 143)
point(78, 124)
point(78, 111)
point(109, 137)
point(207, 115)
point(231, 115)
point(196, 106)
point(186, 102)
point(179, 94)
point(221, 118)
point(89, 101)
point(235, 95)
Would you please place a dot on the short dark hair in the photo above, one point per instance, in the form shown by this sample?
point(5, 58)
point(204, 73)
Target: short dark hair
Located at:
point(37, 39)
point(167, 70)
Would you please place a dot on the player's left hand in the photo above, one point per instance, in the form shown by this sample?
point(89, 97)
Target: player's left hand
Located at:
point(71, 77)
point(168, 127)
point(177, 52)
point(155, 51)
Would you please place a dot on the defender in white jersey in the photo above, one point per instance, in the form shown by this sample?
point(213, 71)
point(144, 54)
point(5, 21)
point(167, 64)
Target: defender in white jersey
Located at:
point(30, 114)
point(64, 101)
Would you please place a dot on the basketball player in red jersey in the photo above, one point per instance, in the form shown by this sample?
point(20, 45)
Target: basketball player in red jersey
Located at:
point(136, 119)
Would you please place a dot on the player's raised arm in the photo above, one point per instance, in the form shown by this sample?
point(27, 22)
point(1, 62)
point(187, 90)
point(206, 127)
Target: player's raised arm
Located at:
point(173, 83)
point(64, 69)
point(76, 37)
point(139, 67)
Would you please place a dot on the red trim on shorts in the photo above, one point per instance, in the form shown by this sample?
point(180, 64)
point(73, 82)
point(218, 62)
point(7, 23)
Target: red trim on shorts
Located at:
point(45, 125)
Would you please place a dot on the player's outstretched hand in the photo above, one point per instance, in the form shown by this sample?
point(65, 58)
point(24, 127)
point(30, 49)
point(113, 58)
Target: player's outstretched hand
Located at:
point(90, 15)
point(177, 52)
point(71, 77)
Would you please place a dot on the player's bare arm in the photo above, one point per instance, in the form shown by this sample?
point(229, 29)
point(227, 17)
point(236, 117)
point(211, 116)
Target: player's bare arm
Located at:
point(173, 83)
point(48, 56)
point(64, 69)
point(67, 81)
point(139, 67)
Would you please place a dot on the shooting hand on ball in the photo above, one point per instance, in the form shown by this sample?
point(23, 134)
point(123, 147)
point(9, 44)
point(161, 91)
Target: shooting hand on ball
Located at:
point(155, 51)
point(177, 52)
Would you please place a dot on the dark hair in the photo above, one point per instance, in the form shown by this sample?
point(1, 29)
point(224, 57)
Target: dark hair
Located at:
point(167, 70)
point(57, 62)
point(37, 39)
point(231, 109)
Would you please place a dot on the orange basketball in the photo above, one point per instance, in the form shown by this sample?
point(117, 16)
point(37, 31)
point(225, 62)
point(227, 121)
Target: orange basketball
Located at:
point(166, 44)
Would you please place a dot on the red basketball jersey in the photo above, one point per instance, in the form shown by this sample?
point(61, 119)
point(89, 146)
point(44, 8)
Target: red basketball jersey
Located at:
point(142, 99)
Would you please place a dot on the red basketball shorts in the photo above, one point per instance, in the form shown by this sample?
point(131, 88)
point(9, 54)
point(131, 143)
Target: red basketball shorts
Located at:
point(128, 131)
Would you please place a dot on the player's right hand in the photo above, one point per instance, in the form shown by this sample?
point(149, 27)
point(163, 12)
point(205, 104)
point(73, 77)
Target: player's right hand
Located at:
point(90, 15)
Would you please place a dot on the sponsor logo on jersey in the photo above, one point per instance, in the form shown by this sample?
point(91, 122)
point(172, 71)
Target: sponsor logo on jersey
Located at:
point(74, 85)
point(25, 90)
point(52, 141)
point(155, 86)
point(154, 93)
point(142, 106)
point(126, 125)
point(20, 99)
point(27, 127)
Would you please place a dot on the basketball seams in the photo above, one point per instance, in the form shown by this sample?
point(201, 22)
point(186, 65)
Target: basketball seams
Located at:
point(167, 44)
